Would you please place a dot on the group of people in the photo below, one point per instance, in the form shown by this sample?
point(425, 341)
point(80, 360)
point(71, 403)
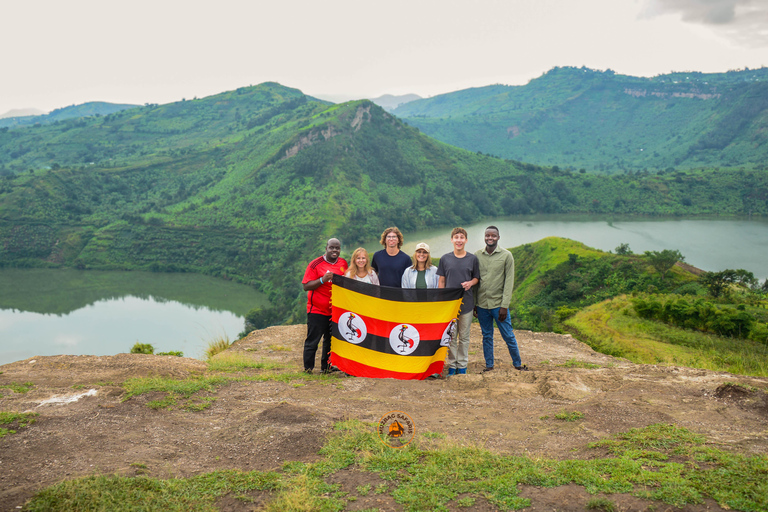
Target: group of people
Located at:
point(487, 277)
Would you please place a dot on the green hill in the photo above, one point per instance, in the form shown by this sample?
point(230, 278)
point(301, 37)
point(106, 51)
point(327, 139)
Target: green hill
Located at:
point(601, 121)
point(621, 305)
point(248, 185)
point(93, 108)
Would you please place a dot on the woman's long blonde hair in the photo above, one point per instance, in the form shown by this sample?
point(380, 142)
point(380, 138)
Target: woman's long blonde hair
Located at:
point(352, 271)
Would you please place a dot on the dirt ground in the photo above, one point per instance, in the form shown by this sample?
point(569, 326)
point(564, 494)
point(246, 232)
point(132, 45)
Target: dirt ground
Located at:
point(259, 425)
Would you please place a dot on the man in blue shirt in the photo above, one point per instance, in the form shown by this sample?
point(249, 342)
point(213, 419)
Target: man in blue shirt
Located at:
point(390, 262)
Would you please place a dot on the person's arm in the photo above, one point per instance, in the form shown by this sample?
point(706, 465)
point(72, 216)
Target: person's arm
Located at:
point(509, 283)
point(404, 280)
point(314, 284)
point(467, 285)
point(440, 274)
point(375, 278)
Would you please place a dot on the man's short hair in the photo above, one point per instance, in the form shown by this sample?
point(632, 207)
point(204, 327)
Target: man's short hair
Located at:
point(459, 230)
point(492, 227)
point(394, 230)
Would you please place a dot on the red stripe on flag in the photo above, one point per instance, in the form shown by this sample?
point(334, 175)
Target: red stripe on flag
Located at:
point(431, 331)
point(363, 370)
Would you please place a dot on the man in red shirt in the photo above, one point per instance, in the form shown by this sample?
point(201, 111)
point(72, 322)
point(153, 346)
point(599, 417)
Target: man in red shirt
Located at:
point(317, 282)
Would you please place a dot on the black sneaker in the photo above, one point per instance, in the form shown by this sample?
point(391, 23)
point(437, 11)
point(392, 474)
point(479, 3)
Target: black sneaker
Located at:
point(308, 371)
point(523, 368)
point(487, 369)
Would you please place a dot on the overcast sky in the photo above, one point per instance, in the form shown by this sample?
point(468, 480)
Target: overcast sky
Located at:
point(58, 53)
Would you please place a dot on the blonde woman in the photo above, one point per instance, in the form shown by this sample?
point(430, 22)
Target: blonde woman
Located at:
point(360, 268)
point(422, 274)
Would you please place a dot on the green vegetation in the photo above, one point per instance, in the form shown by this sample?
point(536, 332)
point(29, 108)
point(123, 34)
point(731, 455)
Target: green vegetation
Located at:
point(613, 327)
point(579, 118)
point(142, 348)
point(218, 344)
point(664, 463)
point(18, 388)
point(196, 392)
point(556, 277)
point(569, 416)
point(601, 504)
point(93, 108)
point(175, 353)
point(15, 420)
point(573, 363)
point(146, 348)
point(247, 185)
point(702, 315)
point(632, 306)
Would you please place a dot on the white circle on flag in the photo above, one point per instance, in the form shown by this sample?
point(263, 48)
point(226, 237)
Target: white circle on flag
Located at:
point(352, 327)
point(449, 333)
point(404, 339)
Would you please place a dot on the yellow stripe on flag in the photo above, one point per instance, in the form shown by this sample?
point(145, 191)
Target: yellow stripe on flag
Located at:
point(390, 362)
point(393, 311)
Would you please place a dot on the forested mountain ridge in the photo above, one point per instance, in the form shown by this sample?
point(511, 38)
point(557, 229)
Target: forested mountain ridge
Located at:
point(249, 184)
point(92, 108)
point(582, 118)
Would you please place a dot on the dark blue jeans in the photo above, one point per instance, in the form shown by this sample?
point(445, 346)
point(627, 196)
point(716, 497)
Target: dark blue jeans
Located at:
point(486, 318)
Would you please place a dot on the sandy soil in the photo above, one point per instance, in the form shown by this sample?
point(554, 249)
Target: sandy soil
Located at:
point(259, 425)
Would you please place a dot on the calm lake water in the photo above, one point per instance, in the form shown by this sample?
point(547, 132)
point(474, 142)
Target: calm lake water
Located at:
point(51, 312)
point(710, 244)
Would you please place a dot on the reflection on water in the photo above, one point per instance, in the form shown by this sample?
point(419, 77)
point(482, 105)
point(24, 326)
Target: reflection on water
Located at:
point(710, 244)
point(52, 312)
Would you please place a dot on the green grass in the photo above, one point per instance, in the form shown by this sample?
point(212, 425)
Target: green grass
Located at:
point(569, 416)
point(15, 419)
point(175, 353)
point(193, 393)
point(230, 361)
point(660, 462)
point(603, 504)
point(612, 327)
point(217, 345)
point(18, 388)
point(573, 363)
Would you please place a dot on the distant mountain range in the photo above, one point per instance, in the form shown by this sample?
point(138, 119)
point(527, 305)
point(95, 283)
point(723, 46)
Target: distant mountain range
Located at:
point(22, 112)
point(93, 108)
point(599, 120)
point(389, 102)
point(249, 184)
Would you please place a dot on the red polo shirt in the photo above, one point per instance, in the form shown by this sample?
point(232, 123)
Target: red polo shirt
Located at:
point(319, 299)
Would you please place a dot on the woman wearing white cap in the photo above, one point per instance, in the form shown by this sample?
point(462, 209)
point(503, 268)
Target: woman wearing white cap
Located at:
point(422, 274)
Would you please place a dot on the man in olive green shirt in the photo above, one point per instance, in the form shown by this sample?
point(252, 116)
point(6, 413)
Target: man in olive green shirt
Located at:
point(492, 296)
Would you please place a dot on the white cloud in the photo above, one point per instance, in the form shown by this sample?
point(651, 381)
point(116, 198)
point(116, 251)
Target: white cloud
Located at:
point(744, 22)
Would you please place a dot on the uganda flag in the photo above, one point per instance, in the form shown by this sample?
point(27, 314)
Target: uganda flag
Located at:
point(384, 332)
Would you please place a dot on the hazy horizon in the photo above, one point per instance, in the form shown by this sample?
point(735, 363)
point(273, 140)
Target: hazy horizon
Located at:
point(85, 50)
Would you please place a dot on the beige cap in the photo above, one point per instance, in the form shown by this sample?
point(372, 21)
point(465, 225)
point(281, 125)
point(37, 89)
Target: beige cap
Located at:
point(422, 245)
